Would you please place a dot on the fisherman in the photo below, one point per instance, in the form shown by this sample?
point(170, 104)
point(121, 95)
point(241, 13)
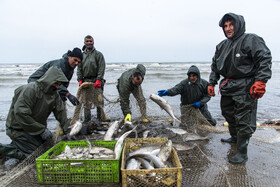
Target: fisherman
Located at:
point(130, 82)
point(32, 104)
point(244, 61)
point(92, 69)
point(67, 64)
point(193, 90)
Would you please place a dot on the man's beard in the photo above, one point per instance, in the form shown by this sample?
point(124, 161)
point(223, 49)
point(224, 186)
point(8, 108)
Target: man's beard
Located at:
point(89, 47)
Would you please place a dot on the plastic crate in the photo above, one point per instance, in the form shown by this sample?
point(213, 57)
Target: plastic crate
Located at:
point(153, 177)
point(77, 171)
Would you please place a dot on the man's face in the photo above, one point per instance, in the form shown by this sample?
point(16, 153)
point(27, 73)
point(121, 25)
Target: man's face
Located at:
point(89, 43)
point(73, 61)
point(137, 81)
point(193, 77)
point(229, 29)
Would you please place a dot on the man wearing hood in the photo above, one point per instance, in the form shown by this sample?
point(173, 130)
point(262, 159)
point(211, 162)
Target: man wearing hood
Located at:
point(31, 106)
point(92, 69)
point(67, 64)
point(193, 90)
point(130, 82)
point(244, 61)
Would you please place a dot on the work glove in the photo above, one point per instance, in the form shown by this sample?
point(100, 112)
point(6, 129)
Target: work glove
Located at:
point(196, 104)
point(97, 84)
point(127, 118)
point(258, 89)
point(73, 99)
point(46, 134)
point(211, 90)
point(80, 83)
point(162, 93)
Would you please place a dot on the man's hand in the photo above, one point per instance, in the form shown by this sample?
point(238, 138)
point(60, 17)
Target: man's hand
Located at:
point(258, 89)
point(162, 93)
point(127, 118)
point(97, 84)
point(196, 104)
point(73, 99)
point(46, 134)
point(211, 90)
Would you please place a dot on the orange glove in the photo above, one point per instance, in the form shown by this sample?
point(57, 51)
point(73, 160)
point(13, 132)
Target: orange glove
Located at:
point(211, 90)
point(97, 84)
point(258, 89)
point(80, 83)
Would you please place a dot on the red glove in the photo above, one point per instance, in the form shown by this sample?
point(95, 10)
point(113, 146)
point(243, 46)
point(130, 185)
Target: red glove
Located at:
point(80, 83)
point(258, 89)
point(211, 90)
point(97, 84)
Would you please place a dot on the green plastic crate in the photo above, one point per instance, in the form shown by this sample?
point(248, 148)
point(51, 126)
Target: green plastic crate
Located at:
point(77, 171)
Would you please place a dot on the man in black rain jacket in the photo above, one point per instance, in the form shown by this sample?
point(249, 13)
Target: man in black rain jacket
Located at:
point(67, 64)
point(193, 90)
point(244, 62)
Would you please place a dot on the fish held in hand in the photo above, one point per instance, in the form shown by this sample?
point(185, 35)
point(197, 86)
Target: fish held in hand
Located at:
point(165, 106)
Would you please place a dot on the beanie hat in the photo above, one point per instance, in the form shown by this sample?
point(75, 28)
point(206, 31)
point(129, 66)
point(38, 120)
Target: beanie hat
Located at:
point(76, 52)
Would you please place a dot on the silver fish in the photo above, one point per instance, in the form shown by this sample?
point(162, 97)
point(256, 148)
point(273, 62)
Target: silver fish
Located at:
point(145, 133)
point(76, 128)
point(165, 106)
point(111, 130)
point(193, 136)
point(119, 143)
point(165, 150)
point(133, 164)
point(146, 149)
point(156, 160)
point(145, 163)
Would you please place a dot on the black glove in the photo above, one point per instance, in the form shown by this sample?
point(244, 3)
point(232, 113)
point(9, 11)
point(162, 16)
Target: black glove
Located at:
point(73, 99)
point(46, 134)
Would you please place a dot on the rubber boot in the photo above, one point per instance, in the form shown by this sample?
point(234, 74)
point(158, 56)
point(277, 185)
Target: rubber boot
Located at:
point(241, 155)
point(11, 151)
point(232, 139)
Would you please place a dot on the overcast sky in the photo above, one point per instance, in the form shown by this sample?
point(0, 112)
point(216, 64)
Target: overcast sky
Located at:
point(37, 31)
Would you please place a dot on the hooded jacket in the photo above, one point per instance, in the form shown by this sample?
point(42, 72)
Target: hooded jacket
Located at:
point(241, 60)
point(125, 87)
point(33, 103)
point(63, 64)
point(92, 67)
point(191, 92)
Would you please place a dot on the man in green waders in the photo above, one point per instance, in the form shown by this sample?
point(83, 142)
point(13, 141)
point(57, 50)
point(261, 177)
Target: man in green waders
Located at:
point(32, 104)
point(244, 61)
point(92, 69)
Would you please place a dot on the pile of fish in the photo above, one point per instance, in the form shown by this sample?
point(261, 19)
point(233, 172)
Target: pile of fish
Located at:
point(150, 157)
point(91, 152)
point(86, 153)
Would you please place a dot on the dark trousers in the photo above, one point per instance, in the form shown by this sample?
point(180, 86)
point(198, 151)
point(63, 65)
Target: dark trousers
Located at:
point(240, 113)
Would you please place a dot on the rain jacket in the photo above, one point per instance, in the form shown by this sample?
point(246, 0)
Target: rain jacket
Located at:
point(92, 67)
point(241, 60)
point(191, 92)
point(33, 103)
point(125, 87)
point(63, 64)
